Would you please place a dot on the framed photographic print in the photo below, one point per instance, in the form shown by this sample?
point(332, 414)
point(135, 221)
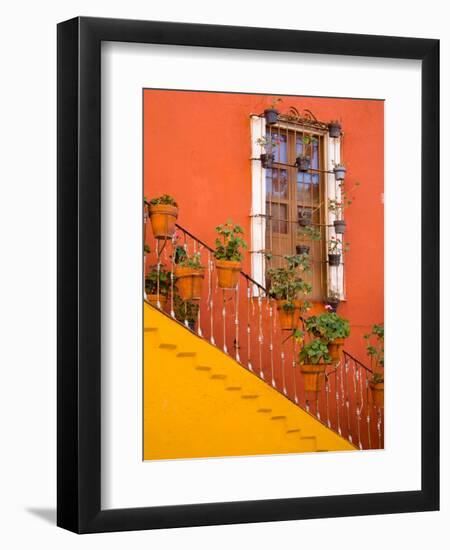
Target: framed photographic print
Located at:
point(248, 255)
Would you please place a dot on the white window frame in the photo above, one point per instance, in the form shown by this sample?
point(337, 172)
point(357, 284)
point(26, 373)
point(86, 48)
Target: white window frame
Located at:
point(335, 276)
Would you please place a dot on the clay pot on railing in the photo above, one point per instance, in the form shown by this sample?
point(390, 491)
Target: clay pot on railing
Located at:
point(271, 116)
point(334, 259)
point(302, 249)
point(334, 129)
point(313, 376)
point(339, 226)
point(267, 160)
point(303, 163)
point(153, 299)
point(163, 218)
point(228, 274)
point(288, 316)
point(189, 282)
point(335, 348)
point(377, 392)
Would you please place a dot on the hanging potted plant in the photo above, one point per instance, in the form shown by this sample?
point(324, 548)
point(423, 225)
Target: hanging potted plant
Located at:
point(375, 350)
point(189, 275)
point(332, 329)
point(186, 311)
point(302, 249)
point(332, 300)
point(334, 129)
point(271, 113)
point(269, 145)
point(304, 217)
point(314, 359)
point(339, 172)
point(286, 287)
point(303, 160)
point(338, 207)
point(157, 283)
point(228, 254)
point(163, 212)
point(335, 246)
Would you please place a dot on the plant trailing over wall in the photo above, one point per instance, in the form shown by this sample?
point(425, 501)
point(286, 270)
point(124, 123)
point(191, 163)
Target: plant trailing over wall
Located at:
point(228, 254)
point(269, 144)
point(334, 128)
point(271, 113)
point(163, 212)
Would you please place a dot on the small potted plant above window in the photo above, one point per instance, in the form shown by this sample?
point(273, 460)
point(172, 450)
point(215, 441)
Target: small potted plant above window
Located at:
point(339, 171)
point(287, 287)
point(332, 329)
point(157, 284)
point(269, 145)
point(189, 275)
point(228, 254)
point(334, 128)
point(303, 161)
point(314, 359)
point(335, 247)
point(333, 300)
point(375, 350)
point(163, 212)
point(271, 113)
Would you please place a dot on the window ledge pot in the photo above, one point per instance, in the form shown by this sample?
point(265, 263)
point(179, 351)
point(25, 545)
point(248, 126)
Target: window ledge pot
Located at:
point(334, 259)
point(339, 173)
point(228, 274)
point(267, 160)
point(313, 376)
point(339, 226)
point(303, 163)
point(377, 392)
point(163, 218)
point(335, 349)
point(153, 299)
point(271, 116)
point(189, 282)
point(334, 130)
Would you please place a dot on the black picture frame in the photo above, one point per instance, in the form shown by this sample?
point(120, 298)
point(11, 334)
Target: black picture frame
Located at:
point(79, 280)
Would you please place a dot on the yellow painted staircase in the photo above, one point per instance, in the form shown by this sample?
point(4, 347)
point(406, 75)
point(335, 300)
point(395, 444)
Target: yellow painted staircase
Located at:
point(199, 402)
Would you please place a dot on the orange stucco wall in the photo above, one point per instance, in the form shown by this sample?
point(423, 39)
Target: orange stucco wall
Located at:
point(197, 147)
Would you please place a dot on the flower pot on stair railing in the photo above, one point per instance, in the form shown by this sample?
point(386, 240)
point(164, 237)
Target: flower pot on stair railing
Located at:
point(339, 227)
point(228, 254)
point(332, 330)
point(288, 313)
point(313, 376)
point(163, 213)
point(334, 260)
point(336, 348)
point(189, 282)
point(377, 393)
point(314, 358)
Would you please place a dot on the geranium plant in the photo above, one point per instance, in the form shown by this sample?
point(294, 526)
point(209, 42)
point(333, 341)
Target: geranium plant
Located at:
point(314, 352)
point(230, 243)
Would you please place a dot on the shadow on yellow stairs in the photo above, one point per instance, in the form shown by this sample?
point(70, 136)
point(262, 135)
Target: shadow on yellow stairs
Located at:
point(199, 402)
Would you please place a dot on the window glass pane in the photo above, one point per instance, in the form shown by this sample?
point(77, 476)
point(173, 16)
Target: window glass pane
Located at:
point(307, 188)
point(279, 138)
point(276, 217)
point(277, 183)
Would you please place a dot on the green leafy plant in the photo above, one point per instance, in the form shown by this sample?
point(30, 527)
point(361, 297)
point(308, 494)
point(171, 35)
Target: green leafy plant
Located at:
point(269, 144)
point(146, 249)
point(286, 283)
point(375, 345)
point(328, 326)
point(314, 352)
point(163, 199)
point(308, 142)
point(229, 243)
point(310, 232)
point(335, 246)
point(151, 281)
point(338, 207)
point(377, 378)
point(185, 310)
point(193, 261)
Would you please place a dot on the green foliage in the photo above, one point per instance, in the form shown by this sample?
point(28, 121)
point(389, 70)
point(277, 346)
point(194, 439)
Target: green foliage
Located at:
point(146, 249)
point(314, 352)
point(336, 246)
point(185, 310)
point(193, 261)
point(375, 345)
point(377, 378)
point(269, 144)
point(346, 200)
point(163, 199)
point(328, 326)
point(229, 243)
point(309, 232)
point(151, 281)
point(286, 283)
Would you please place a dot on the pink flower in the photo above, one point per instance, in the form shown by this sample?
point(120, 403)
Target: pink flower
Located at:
point(328, 307)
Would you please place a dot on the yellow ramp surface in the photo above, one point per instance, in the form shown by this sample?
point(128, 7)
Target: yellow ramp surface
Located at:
point(198, 402)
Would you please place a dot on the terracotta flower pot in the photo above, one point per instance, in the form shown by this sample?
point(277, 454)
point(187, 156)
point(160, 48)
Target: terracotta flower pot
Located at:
point(335, 348)
point(189, 282)
point(288, 317)
point(377, 392)
point(163, 218)
point(153, 299)
point(313, 376)
point(228, 273)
